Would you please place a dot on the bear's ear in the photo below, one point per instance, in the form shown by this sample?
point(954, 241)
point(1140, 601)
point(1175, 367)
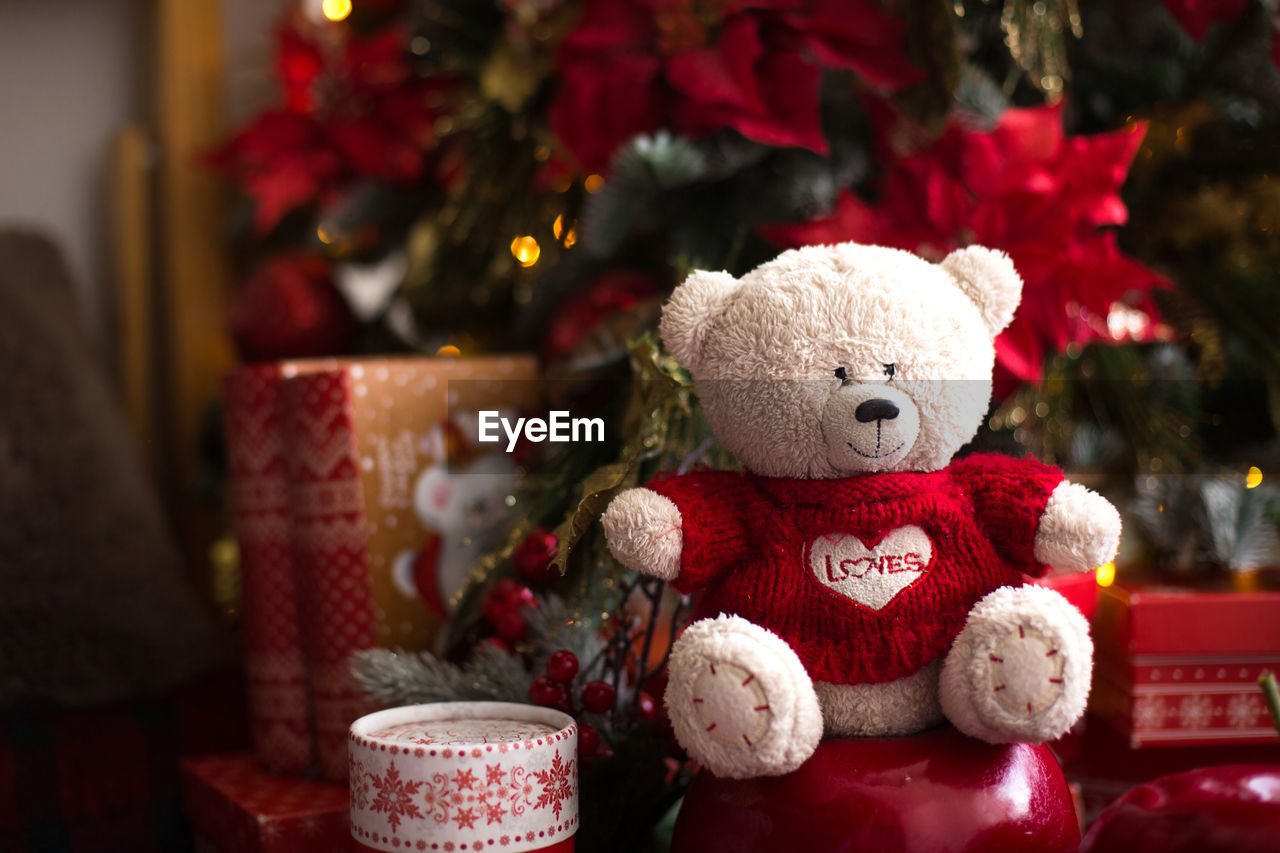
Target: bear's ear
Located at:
point(988, 278)
point(687, 315)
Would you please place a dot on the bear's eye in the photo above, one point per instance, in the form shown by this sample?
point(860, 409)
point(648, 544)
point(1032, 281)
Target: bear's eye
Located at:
point(842, 374)
point(889, 370)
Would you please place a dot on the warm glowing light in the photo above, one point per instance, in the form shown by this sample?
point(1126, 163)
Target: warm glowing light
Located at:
point(1106, 574)
point(593, 183)
point(525, 250)
point(336, 10)
point(324, 235)
point(1254, 478)
point(566, 235)
point(449, 351)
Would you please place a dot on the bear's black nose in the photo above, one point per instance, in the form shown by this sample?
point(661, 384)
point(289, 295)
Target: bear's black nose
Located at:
point(875, 410)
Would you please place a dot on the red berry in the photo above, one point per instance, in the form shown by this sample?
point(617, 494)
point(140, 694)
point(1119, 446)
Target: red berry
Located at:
point(598, 696)
point(533, 557)
point(562, 666)
point(499, 644)
point(588, 740)
point(512, 627)
point(645, 706)
point(506, 596)
point(543, 691)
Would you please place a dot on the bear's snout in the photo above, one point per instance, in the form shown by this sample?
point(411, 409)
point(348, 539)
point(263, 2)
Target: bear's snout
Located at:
point(869, 427)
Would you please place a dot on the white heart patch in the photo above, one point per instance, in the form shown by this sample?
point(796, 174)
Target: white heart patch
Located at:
point(871, 576)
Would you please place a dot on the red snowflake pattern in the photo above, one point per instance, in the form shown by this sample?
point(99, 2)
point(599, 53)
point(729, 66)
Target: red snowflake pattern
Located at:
point(557, 785)
point(359, 788)
point(395, 797)
point(465, 797)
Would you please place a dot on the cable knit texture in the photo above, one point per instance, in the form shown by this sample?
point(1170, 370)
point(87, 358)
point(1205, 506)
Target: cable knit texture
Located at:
point(755, 546)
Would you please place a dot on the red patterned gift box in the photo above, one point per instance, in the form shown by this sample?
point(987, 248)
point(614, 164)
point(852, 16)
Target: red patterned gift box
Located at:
point(1177, 666)
point(236, 807)
point(380, 463)
point(275, 663)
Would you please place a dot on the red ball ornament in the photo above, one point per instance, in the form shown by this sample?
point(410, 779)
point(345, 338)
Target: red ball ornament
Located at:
point(543, 691)
point(532, 558)
point(1234, 808)
point(588, 740)
point(598, 696)
point(645, 706)
point(935, 792)
point(562, 666)
point(289, 308)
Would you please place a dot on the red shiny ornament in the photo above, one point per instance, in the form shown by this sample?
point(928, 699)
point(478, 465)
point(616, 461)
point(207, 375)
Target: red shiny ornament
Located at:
point(545, 692)
point(598, 696)
point(588, 740)
point(1231, 809)
point(934, 792)
point(562, 666)
point(289, 308)
point(533, 556)
point(645, 706)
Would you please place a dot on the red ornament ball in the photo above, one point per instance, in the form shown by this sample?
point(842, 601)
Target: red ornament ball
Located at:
point(562, 666)
point(598, 696)
point(935, 791)
point(532, 558)
point(588, 740)
point(645, 706)
point(543, 691)
point(289, 308)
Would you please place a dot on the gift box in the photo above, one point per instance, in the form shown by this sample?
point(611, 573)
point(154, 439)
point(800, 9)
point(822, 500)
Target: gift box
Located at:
point(1079, 588)
point(278, 690)
point(237, 807)
point(392, 498)
point(1176, 666)
point(462, 776)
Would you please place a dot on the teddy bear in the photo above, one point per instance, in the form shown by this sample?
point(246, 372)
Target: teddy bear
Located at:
point(853, 579)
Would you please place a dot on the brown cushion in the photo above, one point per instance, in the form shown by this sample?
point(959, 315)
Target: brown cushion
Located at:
point(93, 602)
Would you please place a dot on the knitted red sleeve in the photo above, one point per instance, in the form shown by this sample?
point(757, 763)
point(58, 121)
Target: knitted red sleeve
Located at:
point(714, 508)
point(1010, 496)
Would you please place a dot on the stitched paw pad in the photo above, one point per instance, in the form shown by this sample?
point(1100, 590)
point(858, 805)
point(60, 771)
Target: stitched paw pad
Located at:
point(1020, 669)
point(740, 701)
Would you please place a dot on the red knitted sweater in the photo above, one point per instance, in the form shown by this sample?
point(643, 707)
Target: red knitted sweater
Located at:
point(868, 578)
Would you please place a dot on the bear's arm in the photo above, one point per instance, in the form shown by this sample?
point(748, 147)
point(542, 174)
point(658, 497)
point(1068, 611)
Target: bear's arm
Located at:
point(1009, 496)
point(716, 511)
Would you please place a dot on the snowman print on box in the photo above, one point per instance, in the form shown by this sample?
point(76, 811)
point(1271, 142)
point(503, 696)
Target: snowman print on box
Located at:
point(460, 501)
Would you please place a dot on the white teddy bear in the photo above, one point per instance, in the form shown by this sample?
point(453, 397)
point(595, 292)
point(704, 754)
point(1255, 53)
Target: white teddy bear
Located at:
point(855, 580)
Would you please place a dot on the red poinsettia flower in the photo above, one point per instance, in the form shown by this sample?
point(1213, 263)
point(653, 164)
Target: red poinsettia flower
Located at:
point(355, 111)
point(1025, 188)
point(696, 66)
